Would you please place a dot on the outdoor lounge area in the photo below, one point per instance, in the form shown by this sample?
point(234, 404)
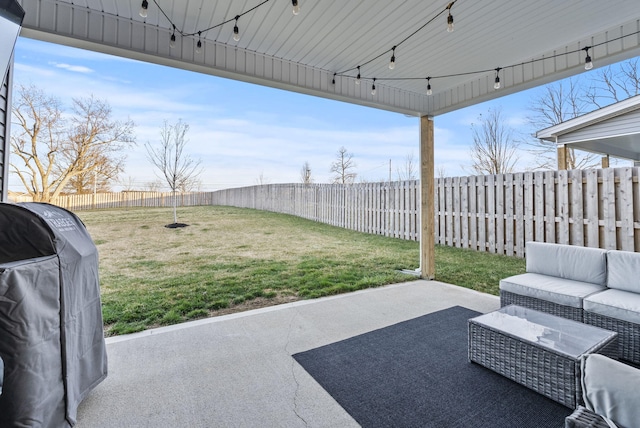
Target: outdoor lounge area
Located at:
point(401, 355)
point(238, 370)
point(288, 365)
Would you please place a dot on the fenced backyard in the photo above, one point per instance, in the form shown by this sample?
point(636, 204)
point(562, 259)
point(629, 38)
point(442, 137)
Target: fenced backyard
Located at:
point(493, 213)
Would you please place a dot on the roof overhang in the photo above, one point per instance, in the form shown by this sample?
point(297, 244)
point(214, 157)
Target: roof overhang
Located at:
point(602, 131)
point(532, 42)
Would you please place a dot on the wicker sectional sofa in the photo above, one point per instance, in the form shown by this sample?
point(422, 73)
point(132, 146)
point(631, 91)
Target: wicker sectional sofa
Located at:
point(591, 285)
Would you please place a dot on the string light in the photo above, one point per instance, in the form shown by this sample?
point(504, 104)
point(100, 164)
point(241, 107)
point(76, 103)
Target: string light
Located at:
point(450, 27)
point(172, 41)
point(496, 85)
point(236, 32)
point(392, 50)
point(588, 65)
point(392, 63)
point(143, 8)
point(333, 81)
point(373, 87)
point(176, 30)
point(450, 19)
point(199, 44)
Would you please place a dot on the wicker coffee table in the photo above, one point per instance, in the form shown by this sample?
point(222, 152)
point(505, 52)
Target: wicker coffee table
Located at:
point(538, 350)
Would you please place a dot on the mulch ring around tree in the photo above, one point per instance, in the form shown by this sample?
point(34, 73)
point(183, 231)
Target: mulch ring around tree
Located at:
point(175, 225)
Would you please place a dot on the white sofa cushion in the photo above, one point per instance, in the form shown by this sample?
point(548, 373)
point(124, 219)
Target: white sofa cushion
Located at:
point(610, 389)
point(567, 261)
point(623, 270)
point(619, 304)
point(549, 288)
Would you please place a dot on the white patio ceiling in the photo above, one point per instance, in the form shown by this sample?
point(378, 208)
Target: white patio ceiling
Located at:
point(301, 53)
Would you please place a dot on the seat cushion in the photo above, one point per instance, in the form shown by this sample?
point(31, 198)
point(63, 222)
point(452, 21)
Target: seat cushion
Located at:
point(567, 261)
point(619, 304)
point(623, 270)
point(551, 289)
point(610, 389)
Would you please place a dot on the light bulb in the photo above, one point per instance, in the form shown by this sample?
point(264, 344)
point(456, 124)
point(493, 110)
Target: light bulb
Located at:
point(358, 76)
point(296, 7)
point(496, 85)
point(373, 87)
point(172, 42)
point(143, 8)
point(199, 46)
point(392, 64)
point(450, 23)
point(429, 91)
point(588, 65)
point(236, 33)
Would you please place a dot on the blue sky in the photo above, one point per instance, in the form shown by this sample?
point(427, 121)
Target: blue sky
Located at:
point(244, 132)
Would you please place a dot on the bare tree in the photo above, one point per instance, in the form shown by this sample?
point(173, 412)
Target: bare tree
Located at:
point(52, 154)
point(343, 167)
point(177, 168)
point(153, 186)
point(409, 170)
point(559, 102)
point(441, 172)
point(494, 148)
point(262, 179)
point(305, 173)
point(129, 184)
point(613, 84)
point(193, 185)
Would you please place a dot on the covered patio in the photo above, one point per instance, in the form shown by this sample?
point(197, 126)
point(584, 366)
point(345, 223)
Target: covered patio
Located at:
point(396, 55)
point(237, 370)
point(412, 57)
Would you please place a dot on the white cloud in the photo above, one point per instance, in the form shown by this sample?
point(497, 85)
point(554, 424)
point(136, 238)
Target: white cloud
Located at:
point(74, 68)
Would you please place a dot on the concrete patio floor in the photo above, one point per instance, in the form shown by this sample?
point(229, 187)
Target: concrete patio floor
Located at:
point(237, 371)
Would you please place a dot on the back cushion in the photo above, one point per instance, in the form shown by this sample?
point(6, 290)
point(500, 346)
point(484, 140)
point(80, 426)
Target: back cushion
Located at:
point(610, 388)
point(623, 270)
point(567, 261)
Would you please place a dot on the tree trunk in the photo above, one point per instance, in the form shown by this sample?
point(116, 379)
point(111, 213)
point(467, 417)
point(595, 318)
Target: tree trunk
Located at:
point(175, 204)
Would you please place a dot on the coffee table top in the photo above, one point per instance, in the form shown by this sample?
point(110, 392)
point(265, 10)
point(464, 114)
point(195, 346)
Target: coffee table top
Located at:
point(561, 335)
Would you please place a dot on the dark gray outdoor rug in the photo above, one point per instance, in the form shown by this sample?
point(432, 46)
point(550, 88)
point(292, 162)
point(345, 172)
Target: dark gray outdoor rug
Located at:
point(416, 374)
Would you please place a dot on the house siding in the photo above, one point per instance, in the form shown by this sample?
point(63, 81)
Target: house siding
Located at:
point(628, 123)
point(5, 111)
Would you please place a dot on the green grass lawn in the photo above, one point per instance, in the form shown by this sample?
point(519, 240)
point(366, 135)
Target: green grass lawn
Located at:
point(230, 259)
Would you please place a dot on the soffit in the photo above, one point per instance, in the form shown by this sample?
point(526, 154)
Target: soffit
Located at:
point(301, 53)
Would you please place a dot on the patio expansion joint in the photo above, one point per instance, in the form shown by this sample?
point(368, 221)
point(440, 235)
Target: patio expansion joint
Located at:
point(293, 369)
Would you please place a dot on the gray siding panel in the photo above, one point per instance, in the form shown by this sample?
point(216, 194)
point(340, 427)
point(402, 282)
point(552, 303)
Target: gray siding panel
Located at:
point(625, 124)
point(5, 110)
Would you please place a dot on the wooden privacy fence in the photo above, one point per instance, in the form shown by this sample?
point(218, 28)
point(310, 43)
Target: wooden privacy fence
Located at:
point(499, 213)
point(493, 213)
point(124, 200)
point(389, 209)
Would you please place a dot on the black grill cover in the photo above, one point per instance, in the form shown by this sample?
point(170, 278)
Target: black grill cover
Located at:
point(51, 333)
